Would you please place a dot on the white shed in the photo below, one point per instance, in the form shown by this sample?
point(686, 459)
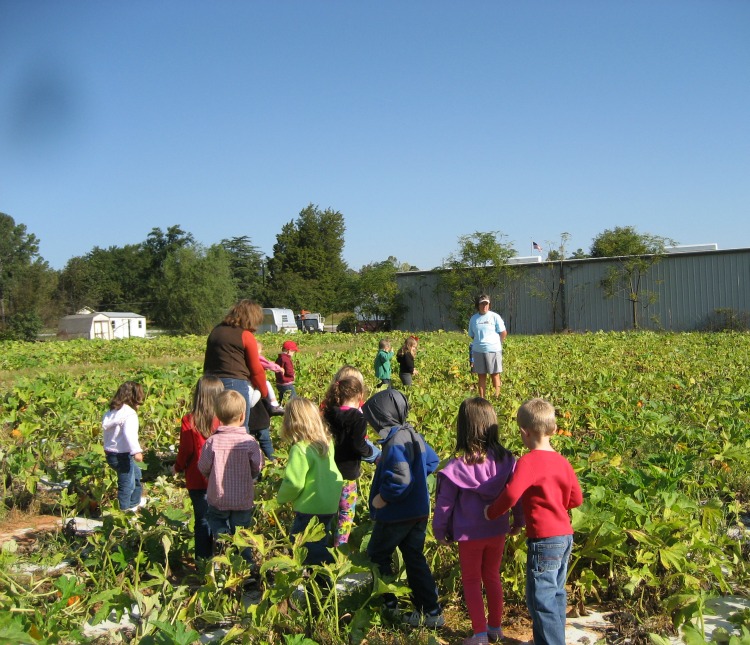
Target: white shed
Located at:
point(102, 324)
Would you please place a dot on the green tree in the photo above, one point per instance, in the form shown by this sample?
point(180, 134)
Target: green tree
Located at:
point(378, 295)
point(307, 267)
point(196, 290)
point(26, 281)
point(480, 265)
point(550, 283)
point(248, 267)
point(111, 279)
point(157, 248)
point(635, 253)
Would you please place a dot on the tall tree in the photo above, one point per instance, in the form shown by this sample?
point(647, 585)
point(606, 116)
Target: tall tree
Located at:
point(307, 267)
point(196, 289)
point(158, 247)
point(480, 265)
point(378, 295)
point(636, 254)
point(26, 281)
point(248, 267)
point(550, 283)
point(111, 279)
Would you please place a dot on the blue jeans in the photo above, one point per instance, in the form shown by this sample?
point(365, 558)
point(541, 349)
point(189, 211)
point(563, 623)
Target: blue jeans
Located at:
point(317, 552)
point(226, 522)
point(243, 387)
point(264, 440)
point(202, 532)
point(283, 389)
point(546, 571)
point(409, 538)
point(128, 478)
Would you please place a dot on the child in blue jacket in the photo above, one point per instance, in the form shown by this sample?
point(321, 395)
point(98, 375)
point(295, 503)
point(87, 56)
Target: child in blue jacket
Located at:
point(400, 504)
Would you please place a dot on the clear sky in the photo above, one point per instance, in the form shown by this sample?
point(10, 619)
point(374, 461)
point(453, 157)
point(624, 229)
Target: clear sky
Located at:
point(419, 121)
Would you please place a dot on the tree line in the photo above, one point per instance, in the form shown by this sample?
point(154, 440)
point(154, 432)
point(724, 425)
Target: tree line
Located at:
point(186, 287)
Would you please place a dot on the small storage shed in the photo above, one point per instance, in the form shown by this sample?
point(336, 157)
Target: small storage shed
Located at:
point(102, 324)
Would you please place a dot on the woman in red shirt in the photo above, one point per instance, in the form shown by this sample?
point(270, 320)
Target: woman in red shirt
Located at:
point(232, 354)
point(196, 428)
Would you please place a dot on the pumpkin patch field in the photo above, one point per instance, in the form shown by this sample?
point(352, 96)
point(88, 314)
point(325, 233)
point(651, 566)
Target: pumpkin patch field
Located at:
point(656, 426)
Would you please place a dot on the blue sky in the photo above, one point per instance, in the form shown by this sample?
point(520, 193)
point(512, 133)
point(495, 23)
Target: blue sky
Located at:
point(419, 121)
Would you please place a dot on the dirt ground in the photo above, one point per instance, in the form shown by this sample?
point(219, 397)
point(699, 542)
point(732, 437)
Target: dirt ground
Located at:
point(25, 528)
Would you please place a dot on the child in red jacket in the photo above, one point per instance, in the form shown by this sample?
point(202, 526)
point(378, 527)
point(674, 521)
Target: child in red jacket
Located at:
point(285, 379)
point(196, 428)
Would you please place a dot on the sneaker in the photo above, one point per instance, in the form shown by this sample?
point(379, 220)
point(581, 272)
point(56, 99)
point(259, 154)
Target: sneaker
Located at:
point(277, 411)
point(418, 619)
point(390, 608)
point(495, 634)
point(476, 639)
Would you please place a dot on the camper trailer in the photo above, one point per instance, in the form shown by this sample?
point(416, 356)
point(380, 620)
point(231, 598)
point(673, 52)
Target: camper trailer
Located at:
point(278, 320)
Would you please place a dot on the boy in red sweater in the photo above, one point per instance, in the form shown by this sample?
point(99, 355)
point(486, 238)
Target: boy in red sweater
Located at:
point(547, 486)
point(285, 378)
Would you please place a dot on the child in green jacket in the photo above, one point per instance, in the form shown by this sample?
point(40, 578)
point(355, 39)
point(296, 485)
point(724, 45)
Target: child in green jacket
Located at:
point(383, 363)
point(312, 482)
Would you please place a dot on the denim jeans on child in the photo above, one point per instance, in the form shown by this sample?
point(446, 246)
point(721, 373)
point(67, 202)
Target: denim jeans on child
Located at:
point(202, 533)
point(128, 478)
point(283, 389)
point(546, 571)
point(317, 552)
point(408, 537)
point(264, 441)
point(226, 523)
point(243, 387)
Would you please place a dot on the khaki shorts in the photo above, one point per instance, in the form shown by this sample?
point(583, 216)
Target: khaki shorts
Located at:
point(488, 363)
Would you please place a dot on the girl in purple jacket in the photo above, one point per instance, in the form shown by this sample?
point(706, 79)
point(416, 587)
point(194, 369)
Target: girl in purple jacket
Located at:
point(464, 487)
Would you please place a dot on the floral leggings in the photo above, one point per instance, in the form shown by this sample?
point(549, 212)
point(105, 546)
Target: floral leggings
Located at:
point(347, 506)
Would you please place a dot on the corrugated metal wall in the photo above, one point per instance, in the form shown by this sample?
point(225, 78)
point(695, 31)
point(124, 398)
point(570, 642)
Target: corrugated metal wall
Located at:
point(689, 287)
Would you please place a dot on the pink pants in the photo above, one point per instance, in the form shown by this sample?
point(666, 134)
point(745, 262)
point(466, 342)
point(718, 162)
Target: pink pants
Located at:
point(480, 564)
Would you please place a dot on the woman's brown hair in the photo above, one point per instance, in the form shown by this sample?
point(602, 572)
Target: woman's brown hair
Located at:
point(246, 314)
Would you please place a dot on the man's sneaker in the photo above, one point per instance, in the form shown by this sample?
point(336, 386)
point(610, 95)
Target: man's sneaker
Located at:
point(431, 620)
point(495, 634)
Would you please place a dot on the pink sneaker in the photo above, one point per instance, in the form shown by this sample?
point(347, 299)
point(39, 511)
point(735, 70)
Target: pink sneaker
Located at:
point(495, 634)
point(476, 639)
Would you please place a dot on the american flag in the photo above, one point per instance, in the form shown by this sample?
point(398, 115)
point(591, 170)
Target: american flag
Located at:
point(536, 247)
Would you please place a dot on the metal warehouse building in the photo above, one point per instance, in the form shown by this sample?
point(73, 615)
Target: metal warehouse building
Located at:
point(544, 297)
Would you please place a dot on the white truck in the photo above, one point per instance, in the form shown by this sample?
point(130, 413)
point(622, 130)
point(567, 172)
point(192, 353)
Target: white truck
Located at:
point(310, 323)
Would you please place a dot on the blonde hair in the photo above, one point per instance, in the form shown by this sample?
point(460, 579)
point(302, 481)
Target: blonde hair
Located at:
point(537, 416)
point(384, 344)
point(230, 406)
point(409, 347)
point(204, 403)
point(245, 314)
point(348, 371)
point(302, 422)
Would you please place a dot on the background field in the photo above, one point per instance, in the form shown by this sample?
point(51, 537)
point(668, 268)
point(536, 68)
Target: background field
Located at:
point(656, 426)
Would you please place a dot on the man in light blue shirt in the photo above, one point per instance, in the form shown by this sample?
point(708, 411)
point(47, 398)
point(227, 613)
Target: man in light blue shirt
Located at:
point(487, 331)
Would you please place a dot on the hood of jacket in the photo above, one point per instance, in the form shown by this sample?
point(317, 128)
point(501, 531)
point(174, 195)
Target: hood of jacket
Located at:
point(385, 410)
point(487, 479)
